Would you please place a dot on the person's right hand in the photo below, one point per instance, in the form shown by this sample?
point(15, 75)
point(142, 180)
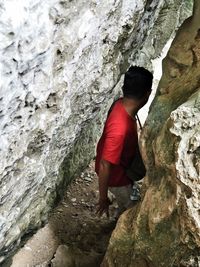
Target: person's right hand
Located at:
point(103, 207)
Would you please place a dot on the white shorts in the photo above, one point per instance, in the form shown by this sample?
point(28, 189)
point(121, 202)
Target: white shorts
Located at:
point(122, 195)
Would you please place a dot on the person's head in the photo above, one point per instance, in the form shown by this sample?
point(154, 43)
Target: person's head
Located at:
point(137, 83)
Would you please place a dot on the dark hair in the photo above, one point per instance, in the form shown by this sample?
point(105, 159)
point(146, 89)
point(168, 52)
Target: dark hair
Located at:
point(137, 82)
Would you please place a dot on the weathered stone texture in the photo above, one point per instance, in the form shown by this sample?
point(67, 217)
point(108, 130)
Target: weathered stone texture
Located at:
point(164, 230)
point(59, 63)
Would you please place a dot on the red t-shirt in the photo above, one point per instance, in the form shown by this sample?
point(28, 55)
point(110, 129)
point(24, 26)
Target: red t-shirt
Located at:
point(117, 144)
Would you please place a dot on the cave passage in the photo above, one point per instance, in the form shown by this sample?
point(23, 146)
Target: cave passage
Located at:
point(74, 235)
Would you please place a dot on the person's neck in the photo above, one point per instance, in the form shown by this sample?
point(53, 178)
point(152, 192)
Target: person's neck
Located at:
point(131, 106)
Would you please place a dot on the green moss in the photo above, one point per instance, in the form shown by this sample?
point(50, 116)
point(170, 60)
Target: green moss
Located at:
point(125, 243)
point(78, 158)
point(161, 245)
point(121, 250)
point(188, 6)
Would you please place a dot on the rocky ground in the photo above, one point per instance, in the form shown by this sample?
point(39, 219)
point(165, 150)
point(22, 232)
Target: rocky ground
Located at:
point(74, 235)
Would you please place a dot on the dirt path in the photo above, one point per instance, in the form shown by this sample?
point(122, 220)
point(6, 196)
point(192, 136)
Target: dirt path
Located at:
point(74, 235)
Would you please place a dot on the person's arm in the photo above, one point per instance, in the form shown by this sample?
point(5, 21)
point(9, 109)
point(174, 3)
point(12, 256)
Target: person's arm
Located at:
point(104, 173)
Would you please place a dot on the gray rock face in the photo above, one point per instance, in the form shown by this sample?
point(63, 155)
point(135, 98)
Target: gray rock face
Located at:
point(60, 62)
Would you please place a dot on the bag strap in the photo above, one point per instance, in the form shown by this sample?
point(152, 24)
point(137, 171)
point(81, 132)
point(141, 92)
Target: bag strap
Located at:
point(137, 117)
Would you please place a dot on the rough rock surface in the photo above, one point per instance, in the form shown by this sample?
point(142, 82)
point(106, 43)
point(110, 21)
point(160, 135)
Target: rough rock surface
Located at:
point(165, 229)
point(59, 63)
point(74, 236)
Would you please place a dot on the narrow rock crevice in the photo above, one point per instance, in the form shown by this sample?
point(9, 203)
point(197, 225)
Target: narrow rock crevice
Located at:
point(165, 231)
point(62, 64)
point(74, 235)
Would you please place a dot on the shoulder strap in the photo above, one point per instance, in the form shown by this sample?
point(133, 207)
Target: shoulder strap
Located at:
point(137, 117)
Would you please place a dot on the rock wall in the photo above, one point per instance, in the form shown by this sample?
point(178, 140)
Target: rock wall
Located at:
point(60, 62)
point(164, 229)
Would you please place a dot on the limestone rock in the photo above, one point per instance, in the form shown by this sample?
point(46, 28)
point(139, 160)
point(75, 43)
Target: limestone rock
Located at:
point(60, 62)
point(72, 257)
point(164, 230)
point(63, 257)
point(38, 251)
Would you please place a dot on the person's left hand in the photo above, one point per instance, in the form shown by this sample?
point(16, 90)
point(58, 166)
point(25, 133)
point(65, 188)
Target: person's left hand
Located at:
point(103, 207)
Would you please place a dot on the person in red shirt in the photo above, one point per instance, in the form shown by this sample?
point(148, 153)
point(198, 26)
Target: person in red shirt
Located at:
point(117, 145)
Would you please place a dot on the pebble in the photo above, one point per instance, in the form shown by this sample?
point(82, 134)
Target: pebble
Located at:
point(59, 210)
point(73, 199)
point(88, 179)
